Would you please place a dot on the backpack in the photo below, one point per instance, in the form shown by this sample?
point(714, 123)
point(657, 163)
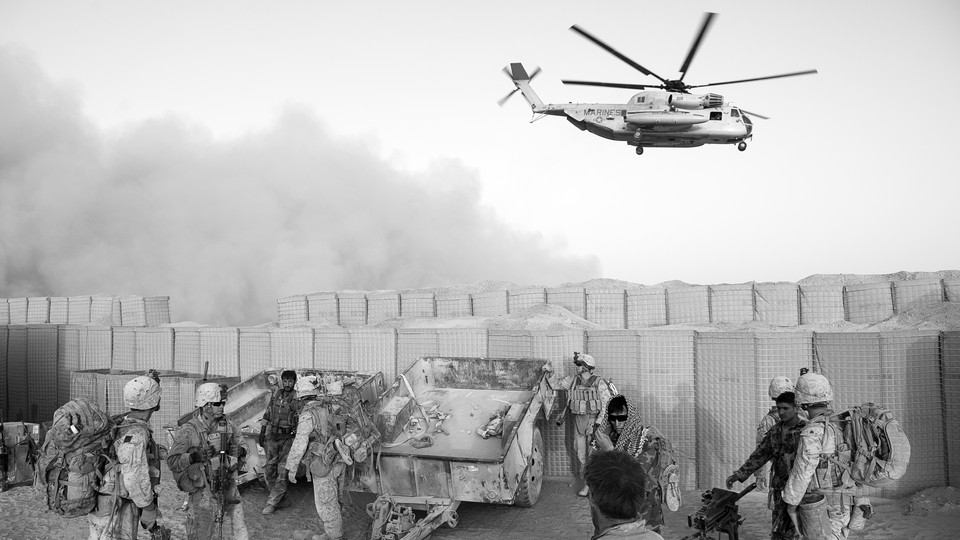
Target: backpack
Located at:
point(876, 450)
point(77, 450)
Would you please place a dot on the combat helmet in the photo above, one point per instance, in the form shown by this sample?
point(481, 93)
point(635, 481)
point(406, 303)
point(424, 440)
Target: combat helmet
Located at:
point(813, 388)
point(209, 393)
point(779, 385)
point(141, 393)
point(306, 386)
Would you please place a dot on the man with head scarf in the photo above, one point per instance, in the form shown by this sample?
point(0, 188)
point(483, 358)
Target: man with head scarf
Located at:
point(622, 428)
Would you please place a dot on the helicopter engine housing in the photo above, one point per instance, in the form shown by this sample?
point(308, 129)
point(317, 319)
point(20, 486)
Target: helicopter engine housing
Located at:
point(694, 102)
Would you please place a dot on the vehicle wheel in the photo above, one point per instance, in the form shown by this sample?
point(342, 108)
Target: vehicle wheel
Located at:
point(639, 150)
point(530, 484)
point(742, 146)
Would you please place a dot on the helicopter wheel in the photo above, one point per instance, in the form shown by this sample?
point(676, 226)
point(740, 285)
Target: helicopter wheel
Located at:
point(639, 150)
point(742, 146)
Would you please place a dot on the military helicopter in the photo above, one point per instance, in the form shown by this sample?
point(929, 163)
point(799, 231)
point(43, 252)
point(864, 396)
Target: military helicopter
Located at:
point(668, 117)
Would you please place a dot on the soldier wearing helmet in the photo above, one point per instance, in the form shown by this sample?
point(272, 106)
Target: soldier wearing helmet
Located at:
point(194, 461)
point(127, 495)
point(813, 476)
point(324, 417)
point(278, 425)
point(778, 386)
point(587, 395)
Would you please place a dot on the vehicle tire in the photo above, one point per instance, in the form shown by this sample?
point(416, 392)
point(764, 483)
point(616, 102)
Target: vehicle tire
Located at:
point(529, 490)
point(742, 146)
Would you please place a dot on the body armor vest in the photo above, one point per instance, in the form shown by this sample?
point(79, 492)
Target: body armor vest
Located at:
point(585, 397)
point(283, 413)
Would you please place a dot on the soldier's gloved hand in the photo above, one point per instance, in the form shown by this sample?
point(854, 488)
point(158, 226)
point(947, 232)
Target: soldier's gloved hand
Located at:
point(209, 452)
point(292, 477)
point(731, 479)
point(761, 483)
point(149, 516)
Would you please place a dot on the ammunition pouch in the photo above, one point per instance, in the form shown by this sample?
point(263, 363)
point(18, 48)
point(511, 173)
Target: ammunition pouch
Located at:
point(191, 479)
point(283, 432)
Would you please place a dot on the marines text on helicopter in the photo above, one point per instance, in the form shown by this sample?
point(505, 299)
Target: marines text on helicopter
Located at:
point(668, 117)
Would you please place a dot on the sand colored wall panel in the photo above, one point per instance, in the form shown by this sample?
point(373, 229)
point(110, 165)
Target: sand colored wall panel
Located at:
point(124, 348)
point(725, 374)
point(331, 349)
point(574, 299)
point(186, 349)
point(18, 387)
point(779, 354)
point(417, 304)
point(90, 386)
point(489, 303)
point(821, 304)
point(616, 354)
point(868, 302)
point(255, 353)
point(731, 303)
point(646, 307)
point(133, 312)
point(951, 291)
point(463, 342)
point(59, 310)
point(4, 312)
point(220, 346)
point(509, 344)
point(156, 310)
point(323, 306)
point(851, 361)
point(292, 310)
point(154, 348)
point(38, 310)
point(382, 306)
point(78, 309)
point(18, 310)
point(101, 310)
point(951, 393)
point(688, 305)
point(454, 305)
point(521, 299)
point(910, 370)
point(558, 347)
point(291, 347)
point(374, 349)
point(413, 343)
point(353, 309)
point(777, 303)
point(96, 344)
point(4, 378)
point(116, 311)
point(913, 294)
point(665, 382)
point(607, 307)
point(42, 371)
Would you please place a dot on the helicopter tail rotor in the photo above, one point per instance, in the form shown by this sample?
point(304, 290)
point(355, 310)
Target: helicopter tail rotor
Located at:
point(518, 75)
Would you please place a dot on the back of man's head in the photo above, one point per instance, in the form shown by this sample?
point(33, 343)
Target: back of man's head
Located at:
point(617, 484)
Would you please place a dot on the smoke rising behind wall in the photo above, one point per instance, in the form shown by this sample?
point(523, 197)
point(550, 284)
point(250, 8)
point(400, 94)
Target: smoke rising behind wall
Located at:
point(226, 227)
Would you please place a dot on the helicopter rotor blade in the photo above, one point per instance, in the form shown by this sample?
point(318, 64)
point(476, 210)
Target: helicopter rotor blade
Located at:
point(596, 41)
point(807, 72)
point(613, 85)
point(754, 114)
point(504, 99)
point(514, 77)
point(707, 20)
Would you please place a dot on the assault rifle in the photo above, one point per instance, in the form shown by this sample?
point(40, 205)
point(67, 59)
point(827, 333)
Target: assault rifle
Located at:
point(221, 479)
point(718, 513)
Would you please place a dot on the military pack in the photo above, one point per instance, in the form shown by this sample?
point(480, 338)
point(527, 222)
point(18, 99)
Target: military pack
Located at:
point(872, 448)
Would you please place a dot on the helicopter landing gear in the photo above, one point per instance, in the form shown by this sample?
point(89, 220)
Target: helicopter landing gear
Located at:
point(639, 150)
point(742, 146)
point(637, 134)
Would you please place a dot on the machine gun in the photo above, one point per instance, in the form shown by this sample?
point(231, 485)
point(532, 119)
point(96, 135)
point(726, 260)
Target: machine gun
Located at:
point(718, 513)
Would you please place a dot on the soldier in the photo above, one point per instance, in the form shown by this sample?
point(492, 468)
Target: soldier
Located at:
point(323, 420)
point(277, 427)
point(127, 494)
point(622, 428)
point(587, 395)
point(813, 473)
point(778, 447)
point(778, 385)
point(618, 493)
point(195, 460)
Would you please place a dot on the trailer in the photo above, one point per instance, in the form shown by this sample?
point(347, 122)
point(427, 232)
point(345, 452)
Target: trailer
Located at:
point(454, 430)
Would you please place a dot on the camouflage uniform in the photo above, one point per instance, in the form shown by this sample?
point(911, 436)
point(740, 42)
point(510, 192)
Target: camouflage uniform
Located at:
point(812, 473)
point(203, 508)
point(138, 472)
point(585, 417)
point(320, 422)
point(763, 474)
point(779, 448)
point(281, 417)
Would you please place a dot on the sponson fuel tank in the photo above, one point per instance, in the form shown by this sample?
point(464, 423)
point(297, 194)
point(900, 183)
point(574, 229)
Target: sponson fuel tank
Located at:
point(664, 118)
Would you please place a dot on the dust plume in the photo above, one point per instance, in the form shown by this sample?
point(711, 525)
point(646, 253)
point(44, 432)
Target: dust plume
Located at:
point(226, 227)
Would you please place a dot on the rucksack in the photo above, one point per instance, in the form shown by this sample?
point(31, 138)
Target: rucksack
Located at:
point(77, 450)
point(876, 450)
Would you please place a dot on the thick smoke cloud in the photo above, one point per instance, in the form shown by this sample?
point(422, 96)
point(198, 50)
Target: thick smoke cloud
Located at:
point(226, 227)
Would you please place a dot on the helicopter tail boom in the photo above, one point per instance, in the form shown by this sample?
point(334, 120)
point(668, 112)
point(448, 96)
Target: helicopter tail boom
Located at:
point(522, 81)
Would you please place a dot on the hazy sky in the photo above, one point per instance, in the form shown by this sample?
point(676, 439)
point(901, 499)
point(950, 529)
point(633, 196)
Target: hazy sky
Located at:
point(229, 153)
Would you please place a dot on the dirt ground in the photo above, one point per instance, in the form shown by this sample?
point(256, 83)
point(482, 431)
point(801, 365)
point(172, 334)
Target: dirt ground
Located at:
point(559, 514)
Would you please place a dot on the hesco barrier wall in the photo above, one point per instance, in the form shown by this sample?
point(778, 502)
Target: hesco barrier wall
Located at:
point(126, 310)
point(777, 304)
point(705, 390)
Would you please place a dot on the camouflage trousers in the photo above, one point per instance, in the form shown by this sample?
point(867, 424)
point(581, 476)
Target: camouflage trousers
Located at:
point(582, 426)
point(326, 497)
point(203, 513)
point(124, 525)
point(839, 515)
point(277, 451)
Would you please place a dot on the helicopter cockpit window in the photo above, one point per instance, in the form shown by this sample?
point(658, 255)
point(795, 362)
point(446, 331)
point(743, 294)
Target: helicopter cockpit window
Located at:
point(716, 115)
point(641, 99)
point(735, 113)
